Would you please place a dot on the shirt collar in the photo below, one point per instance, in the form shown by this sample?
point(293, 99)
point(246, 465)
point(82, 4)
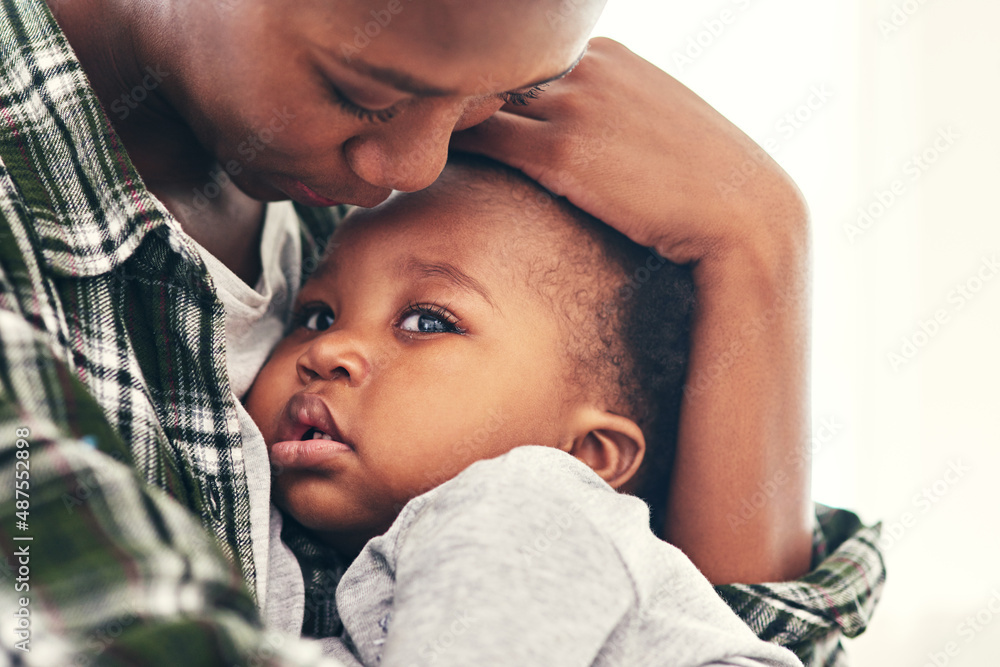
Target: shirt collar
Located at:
point(86, 201)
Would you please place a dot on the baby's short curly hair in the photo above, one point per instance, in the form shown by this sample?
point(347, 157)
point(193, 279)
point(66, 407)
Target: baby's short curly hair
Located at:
point(627, 313)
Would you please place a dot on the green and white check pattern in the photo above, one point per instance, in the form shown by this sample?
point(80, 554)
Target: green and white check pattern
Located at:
point(112, 347)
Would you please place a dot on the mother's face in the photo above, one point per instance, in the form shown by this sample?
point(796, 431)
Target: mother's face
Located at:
point(346, 100)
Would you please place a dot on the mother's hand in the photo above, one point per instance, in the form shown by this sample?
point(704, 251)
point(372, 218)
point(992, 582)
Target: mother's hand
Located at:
point(634, 147)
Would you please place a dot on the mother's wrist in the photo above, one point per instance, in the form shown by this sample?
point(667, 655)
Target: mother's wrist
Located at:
point(767, 241)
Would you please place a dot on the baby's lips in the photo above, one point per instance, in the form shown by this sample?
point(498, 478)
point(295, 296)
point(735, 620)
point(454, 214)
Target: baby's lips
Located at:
point(306, 453)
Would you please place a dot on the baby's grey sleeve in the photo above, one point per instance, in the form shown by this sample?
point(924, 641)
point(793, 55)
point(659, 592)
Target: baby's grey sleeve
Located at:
point(507, 565)
point(495, 571)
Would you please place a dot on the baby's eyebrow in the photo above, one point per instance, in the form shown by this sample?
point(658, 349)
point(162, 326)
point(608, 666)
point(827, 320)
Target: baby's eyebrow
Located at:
point(416, 267)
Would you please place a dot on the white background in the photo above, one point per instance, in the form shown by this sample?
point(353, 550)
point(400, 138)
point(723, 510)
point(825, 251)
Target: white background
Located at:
point(894, 74)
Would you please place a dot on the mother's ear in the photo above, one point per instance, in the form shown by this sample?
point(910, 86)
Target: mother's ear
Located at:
point(611, 445)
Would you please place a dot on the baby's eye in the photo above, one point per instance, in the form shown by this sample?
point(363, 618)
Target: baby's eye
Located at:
point(429, 319)
point(316, 318)
point(425, 323)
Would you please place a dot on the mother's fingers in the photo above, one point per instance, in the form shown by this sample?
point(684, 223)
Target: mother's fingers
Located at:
point(511, 138)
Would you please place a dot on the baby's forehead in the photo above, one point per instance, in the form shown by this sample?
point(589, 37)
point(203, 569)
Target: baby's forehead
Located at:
point(469, 213)
point(494, 225)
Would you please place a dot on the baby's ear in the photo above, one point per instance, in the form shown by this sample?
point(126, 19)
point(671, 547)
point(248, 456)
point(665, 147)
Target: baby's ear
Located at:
point(612, 445)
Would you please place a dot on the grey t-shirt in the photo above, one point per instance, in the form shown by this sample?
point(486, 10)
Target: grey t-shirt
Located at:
point(531, 559)
point(255, 322)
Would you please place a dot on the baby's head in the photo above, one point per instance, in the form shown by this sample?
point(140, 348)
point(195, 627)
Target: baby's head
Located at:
point(456, 323)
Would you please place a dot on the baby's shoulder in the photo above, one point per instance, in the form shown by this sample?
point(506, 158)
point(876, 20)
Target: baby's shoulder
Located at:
point(530, 495)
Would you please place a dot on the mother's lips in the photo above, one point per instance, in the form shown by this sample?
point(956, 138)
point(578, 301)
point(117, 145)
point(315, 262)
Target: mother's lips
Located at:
point(359, 194)
point(306, 195)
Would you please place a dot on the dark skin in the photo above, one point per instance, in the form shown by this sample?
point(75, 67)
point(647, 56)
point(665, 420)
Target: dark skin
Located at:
point(213, 99)
point(412, 364)
point(161, 145)
point(608, 137)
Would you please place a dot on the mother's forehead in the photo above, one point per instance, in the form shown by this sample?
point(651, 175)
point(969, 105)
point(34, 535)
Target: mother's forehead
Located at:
point(457, 20)
point(463, 49)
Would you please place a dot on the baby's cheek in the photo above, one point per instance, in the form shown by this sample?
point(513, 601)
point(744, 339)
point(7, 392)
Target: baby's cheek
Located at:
point(268, 396)
point(291, 497)
point(256, 407)
point(412, 470)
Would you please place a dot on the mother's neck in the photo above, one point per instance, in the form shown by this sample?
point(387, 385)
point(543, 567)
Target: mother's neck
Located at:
point(119, 46)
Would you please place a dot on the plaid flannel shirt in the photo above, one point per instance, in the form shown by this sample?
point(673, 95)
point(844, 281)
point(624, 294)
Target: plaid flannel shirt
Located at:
point(114, 398)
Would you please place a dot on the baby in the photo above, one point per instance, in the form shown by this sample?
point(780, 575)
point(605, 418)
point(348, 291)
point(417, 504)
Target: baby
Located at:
point(467, 381)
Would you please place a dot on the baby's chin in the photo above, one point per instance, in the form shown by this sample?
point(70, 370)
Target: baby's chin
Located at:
point(319, 503)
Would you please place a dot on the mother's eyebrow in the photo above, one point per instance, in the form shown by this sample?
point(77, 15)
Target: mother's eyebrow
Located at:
point(449, 272)
point(408, 83)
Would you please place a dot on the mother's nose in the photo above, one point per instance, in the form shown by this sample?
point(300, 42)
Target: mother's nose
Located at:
point(410, 151)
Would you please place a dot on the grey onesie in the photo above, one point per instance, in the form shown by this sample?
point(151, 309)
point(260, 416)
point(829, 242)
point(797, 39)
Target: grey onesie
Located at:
point(531, 559)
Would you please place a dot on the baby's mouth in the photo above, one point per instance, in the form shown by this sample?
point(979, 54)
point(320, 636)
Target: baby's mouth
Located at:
point(316, 434)
point(308, 436)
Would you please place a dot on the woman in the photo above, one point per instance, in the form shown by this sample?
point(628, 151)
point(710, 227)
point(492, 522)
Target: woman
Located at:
point(193, 114)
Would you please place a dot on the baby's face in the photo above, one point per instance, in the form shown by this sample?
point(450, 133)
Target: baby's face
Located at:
point(416, 351)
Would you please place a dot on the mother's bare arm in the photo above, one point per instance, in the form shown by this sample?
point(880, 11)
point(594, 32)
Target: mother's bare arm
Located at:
point(632, 146)
point(739, 501)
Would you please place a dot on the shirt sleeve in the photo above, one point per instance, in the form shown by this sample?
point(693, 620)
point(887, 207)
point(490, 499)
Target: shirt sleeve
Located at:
point(101, 567)
point(835, 599)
